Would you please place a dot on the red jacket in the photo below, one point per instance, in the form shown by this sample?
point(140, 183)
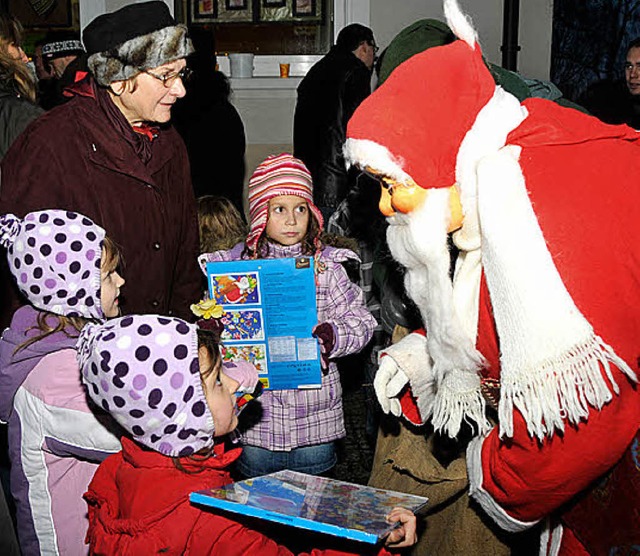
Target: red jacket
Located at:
point(78, 157)
point(138, 504)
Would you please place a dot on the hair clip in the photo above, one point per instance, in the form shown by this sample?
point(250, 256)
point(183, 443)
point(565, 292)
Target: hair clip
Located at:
point(211, 315)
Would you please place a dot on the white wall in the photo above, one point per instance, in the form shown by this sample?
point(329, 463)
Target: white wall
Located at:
point(389, 17)
point(536, 18)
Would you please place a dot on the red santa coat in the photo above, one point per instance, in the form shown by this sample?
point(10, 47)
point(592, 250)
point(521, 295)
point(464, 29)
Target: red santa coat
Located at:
point(592, 231)
point(139, 504)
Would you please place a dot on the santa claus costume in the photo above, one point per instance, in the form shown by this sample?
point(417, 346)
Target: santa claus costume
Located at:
point(545, 300)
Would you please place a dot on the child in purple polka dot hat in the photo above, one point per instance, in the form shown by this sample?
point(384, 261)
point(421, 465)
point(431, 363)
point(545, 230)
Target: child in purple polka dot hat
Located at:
point(164, 381)
point(66, 268)
point(55, 257)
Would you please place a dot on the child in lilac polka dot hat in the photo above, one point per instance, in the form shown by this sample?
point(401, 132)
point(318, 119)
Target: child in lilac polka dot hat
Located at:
point(66, 268)
point(164, 381)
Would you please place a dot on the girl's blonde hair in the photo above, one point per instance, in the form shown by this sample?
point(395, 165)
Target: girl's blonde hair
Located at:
point(220, 222)
point(50, 323)
point(14, 73)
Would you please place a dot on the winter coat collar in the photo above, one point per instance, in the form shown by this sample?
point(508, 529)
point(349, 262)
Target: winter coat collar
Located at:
point(116, 155)
point(124, 487)
point(139, 457)
point(327, 253)
point(16, 366)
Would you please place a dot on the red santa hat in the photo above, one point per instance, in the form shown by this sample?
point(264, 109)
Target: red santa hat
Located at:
point(453, 86)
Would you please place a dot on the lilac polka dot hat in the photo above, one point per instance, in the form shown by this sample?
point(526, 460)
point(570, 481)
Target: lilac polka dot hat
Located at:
point(55, 257)
point(144, 370)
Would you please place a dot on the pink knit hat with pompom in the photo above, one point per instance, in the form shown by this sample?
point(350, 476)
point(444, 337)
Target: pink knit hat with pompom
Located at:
point(280, 174)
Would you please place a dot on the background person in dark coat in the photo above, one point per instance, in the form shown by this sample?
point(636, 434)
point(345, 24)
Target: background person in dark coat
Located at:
point(17, 85)
point(99, 155)
point(17, 110)
point(327, 97)
point(211, 126)
point(64, 55)
point(618, 102)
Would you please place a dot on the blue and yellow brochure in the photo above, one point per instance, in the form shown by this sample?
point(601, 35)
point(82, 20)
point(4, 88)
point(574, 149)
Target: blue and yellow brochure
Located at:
point(270, 311)
point(320, 504)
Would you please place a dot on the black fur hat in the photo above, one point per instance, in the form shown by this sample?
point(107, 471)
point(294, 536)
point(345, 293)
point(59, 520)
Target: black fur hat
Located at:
point(136, 37)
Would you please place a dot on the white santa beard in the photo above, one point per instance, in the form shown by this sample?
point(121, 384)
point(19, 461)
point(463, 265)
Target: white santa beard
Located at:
point(418, 241)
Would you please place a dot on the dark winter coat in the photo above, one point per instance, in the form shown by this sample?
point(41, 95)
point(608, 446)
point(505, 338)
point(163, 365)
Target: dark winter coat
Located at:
point(16, 113)
point(81, 157)
point(327, 98)
point(213, 133)
point(611, 102)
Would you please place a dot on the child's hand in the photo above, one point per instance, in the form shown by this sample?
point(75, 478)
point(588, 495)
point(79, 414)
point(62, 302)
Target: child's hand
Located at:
point(327, 339)
point(405, 534)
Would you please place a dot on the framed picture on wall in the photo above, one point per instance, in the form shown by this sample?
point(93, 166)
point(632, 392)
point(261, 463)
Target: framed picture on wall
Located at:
point(206, 9)
point(220, 11)
point(304, 8)
point(233, 5)
point(274, 3)
point(41, 13)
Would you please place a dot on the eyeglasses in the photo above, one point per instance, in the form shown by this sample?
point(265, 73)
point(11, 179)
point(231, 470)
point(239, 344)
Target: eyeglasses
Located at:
point(376, 48)
point(170, 78)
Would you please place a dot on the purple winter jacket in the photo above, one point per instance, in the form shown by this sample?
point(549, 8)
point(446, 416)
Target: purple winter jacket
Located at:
point(56, 440)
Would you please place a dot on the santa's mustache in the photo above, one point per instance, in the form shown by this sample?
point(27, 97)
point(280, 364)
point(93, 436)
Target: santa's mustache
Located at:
point(418, 241)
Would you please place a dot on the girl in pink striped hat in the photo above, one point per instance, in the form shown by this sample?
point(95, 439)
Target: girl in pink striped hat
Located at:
point(298, 428)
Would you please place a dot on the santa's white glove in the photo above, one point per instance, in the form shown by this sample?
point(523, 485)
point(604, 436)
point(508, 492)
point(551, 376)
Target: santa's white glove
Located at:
point(388, 383)
point(407, 362)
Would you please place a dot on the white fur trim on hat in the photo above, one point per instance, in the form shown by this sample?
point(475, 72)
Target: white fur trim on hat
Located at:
point(368, 154)
point(460, 23)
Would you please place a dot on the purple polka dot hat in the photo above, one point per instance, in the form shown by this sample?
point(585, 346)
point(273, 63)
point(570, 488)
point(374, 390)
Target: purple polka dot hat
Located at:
point(55, 257)
point(144, 370)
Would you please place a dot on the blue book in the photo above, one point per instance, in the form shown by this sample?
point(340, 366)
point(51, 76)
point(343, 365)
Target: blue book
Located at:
point(270, 310)
point(320, 504)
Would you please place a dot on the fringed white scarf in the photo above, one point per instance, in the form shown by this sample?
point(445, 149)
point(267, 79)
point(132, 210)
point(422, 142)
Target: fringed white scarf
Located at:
point(551, 359)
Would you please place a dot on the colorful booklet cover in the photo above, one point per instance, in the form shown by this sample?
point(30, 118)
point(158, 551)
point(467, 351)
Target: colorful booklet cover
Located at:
point(270, 310)
point(329, 506)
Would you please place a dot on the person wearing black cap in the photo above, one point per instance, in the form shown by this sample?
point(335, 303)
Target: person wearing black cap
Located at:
point(63, 54)
point(109, 154)
point(60, 50)
point(327, 97)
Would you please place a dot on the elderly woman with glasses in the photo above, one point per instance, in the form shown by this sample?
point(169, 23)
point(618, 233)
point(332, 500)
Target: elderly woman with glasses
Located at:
point(110, 154)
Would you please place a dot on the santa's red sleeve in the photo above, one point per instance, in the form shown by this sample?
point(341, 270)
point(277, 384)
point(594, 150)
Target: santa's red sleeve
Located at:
point(519, 480)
